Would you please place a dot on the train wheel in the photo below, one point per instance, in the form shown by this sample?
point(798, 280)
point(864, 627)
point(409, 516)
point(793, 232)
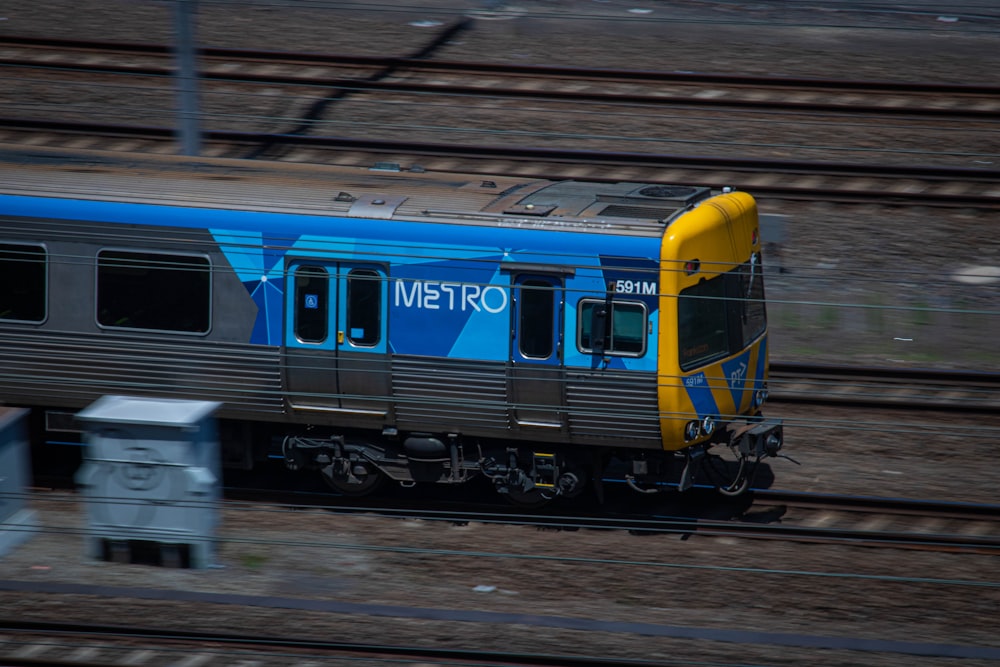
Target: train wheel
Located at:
point(361, 480)
point(530, 500)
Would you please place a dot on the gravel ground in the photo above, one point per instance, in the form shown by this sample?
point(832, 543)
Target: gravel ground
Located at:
point(877, 285)
point(708, 583)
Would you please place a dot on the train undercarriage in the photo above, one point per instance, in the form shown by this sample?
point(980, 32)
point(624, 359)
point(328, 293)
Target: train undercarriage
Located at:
point(532, 474)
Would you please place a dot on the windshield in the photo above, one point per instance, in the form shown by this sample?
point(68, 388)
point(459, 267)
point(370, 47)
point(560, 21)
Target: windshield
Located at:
point(721, 316)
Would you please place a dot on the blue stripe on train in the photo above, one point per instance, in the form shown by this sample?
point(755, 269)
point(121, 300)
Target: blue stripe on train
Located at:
point(701, 395)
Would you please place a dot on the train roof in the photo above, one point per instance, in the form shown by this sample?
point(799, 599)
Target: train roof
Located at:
point(380, 191)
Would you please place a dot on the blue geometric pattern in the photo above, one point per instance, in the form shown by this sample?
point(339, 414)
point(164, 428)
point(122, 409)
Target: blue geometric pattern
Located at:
point(257, 260)
point(701, 395)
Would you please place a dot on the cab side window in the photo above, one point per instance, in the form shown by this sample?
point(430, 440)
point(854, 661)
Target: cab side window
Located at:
point(624, 332)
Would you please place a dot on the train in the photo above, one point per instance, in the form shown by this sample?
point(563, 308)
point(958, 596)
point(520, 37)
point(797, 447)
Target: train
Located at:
point(384, 323)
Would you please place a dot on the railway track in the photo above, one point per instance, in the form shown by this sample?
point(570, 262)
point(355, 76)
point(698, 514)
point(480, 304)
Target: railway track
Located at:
point(905, 389)
point(770, 515)
point(58, 644)
point(573, 84)
point(54, 644)
point(31, 642)
point(900, 523)
point(783, 179)
point(764, 514)
point(316, 80)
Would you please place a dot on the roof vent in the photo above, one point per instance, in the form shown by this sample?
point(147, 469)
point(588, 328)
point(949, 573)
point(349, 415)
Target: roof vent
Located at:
point(637, 212)
point(668, 191)
point(375, 206)
point(537, 210)
point(345, 196)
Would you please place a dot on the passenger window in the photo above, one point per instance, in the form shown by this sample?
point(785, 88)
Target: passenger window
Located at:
point(364, 307)
point(536, 319)
point(156, 291)
point(625, 334)
point(23, 275)
point(312, 298)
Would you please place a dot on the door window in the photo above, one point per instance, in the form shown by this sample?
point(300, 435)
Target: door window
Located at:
point(364, 307)
point(312, 299)
point(536, 314)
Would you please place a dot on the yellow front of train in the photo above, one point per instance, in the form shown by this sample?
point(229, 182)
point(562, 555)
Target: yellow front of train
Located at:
point(713, 354)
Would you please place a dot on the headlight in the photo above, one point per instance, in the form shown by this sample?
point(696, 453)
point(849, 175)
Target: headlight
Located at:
point(773, 443)
point(708, 425)
point(760, 397)
point(691, 430)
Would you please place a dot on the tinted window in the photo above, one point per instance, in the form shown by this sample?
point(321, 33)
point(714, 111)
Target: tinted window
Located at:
point(626, 333)
point(312, 299)
point(752, 291)
point(145, 290)
point(364, 307)
point(22, 282)
point(702, 318)
point(628, 329)
point(537, 318)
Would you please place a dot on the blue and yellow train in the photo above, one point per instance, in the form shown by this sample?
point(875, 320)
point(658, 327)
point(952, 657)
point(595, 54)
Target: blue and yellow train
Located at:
point(388, 323)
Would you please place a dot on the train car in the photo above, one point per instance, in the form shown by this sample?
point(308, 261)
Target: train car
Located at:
point(389, 324)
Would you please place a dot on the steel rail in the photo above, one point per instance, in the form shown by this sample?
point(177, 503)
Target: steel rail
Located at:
point(844, 517)
point(140, 643)
point(204, 644)
point(390, 62)
point(900, 388)
point(898, 506)
point(961, 100)
point(555, 155)
point(769, 514)
point(347, 84)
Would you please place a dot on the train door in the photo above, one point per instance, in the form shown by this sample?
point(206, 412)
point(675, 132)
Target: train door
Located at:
point(335, 342)
point(537, 376)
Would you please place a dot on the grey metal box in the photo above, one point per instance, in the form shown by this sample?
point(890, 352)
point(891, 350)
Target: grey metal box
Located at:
point(151, 475)
point(17, 522)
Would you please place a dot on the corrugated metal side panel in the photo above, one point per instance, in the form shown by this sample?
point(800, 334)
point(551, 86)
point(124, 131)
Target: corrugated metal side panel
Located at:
point(61, 369)
point(465, 396)
point(608, 407)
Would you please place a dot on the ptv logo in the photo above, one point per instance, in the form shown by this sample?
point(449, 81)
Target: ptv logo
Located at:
point(736, 371)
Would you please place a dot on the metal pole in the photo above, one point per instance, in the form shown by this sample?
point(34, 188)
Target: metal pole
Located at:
point(187, 78)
